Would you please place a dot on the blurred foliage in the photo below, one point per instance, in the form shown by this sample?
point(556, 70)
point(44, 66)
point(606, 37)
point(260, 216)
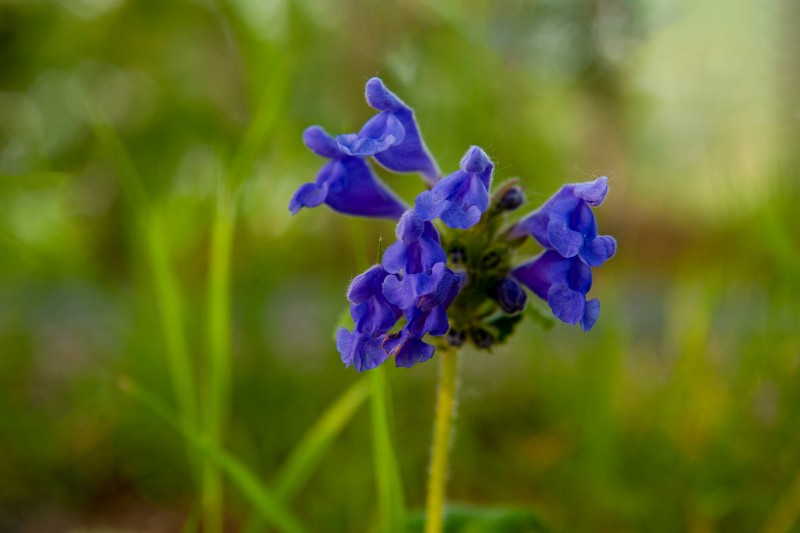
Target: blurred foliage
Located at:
point(678, 412)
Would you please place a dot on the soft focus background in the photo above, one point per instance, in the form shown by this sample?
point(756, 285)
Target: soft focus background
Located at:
point(124, 123)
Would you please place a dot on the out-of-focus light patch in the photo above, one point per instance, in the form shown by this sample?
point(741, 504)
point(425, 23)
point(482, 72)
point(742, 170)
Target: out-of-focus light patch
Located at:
point(91, 192)
point(611, 27)
point(89, 9)
point(296, 329)
point(52, 92)
point(404, 63)
point(328, 15)
point(74, 326)
point(126, 97)
point(198, 172)
point(266, 203)
point(766, 403)
point(550, 51)
point(709, 135)
point(37, 216)
point(21, 133)
point(267, 18)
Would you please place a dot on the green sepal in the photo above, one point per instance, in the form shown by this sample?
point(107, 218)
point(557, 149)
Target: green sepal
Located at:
point(504, 325)
point(543, 319)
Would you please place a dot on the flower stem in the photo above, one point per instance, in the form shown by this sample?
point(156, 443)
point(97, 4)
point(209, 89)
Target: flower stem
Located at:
point(442, 438)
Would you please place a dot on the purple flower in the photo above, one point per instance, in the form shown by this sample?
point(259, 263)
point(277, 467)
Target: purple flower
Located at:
point(563, 283)
point(413, 281)
point(392, 136)
point(346, 183)
point(460, 198)
point(424, 299)
point(416, 249)
point(371, 311)
point(373, 316)
point(566, 223)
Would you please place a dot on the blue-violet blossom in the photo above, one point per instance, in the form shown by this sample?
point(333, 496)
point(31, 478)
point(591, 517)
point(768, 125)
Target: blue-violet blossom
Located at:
point(413, 293)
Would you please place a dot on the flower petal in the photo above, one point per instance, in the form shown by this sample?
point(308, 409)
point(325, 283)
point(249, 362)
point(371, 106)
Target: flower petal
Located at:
point(367, 284)
point(537, 274)
point(411, 154)
point(535, 224)
point(359, 192)
point(567, 305)
point(362, 351)
point(308, 195)
point(410, 227)
point(599, 250)
point(321, 142)
point(460, 198)
point(436, 322)
point(407, 349)
point(380, 133)
point(562, 237)
point(590, 314)
point(381, 98)
point(394, 257)
point(398, 292)
point(591, 192)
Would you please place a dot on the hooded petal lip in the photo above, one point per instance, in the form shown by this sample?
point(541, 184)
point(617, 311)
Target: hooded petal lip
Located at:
point(460, 198)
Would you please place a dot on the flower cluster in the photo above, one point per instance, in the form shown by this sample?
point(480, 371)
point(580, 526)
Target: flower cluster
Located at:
point(481, 297)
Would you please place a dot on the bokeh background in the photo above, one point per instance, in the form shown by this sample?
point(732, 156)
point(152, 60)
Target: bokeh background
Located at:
point(122, 121)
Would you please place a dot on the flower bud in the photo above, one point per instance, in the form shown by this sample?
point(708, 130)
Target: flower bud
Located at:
point(509, 295)
point(511, 199)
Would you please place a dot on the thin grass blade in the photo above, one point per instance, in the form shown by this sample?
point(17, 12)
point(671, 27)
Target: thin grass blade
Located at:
point(240, 476)
point(310, 450)
point(391, 501)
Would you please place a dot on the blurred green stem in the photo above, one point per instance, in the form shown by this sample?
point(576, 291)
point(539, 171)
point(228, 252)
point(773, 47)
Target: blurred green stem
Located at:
point(442, 438)
point(219, 339)
point(171, 317)
point(390, 487)
point(786, 511)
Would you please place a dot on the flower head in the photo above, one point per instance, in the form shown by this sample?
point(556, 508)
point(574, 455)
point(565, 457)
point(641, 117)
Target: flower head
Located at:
point(400, 306)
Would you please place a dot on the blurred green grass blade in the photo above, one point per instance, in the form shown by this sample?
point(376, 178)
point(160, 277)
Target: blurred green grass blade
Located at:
point(130, 180)
point(251, 488)
point(390, 488)
point(267, 111)
point(170, 311)
point(192, 523)
point(218, 372)
point(310, 450)
point(471, 519)
point(166, 287)
point(785, 513)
